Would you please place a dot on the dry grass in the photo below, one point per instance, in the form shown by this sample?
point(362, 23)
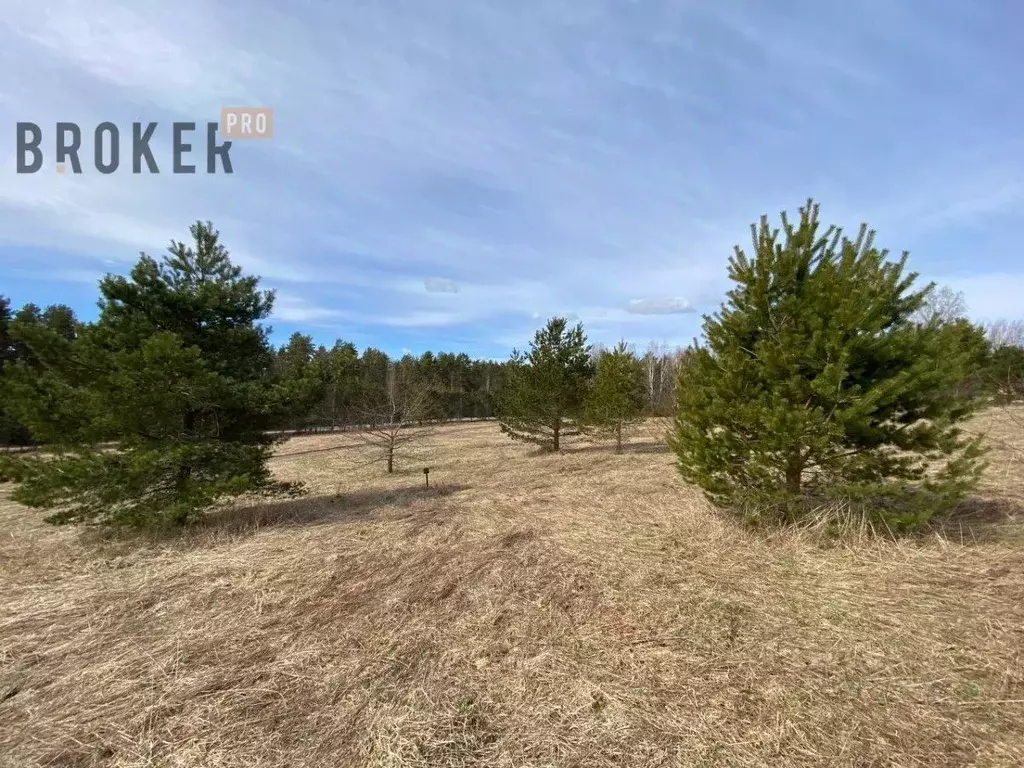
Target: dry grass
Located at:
point(585, 609)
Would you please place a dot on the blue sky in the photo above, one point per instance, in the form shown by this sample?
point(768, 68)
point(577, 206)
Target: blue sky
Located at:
point(447, 174)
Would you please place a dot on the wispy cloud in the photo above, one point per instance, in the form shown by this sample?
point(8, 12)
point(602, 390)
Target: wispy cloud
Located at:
point(659, 307)
point(544, 157)
point(440, 285)
point(294, 309)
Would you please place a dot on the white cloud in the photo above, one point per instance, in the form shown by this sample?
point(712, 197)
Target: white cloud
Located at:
point(440, 285)
point(659, 307)
point(295, 309)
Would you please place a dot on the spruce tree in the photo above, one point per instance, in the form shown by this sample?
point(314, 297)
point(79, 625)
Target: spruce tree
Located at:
point(543, 396)
point(815, 382)
point(176, 376)
point(615, 401)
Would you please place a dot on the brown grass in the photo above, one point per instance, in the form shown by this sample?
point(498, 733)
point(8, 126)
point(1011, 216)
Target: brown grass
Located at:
point(584, 609)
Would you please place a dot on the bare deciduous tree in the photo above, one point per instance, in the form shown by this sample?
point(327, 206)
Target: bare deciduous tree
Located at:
point(661, 364)
point(393, 425)
point(1005, 333)
point(943, 304)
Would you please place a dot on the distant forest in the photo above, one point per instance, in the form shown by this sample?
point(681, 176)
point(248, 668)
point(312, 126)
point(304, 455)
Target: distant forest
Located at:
point(446, 385)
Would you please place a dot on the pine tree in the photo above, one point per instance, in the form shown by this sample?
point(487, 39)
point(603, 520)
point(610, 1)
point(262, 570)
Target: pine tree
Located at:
point(375, 365)
point(616, 399)
point(6, 342)
point(544, 391)
point(1004, 374)
point(969, 339)
point(58, 318)
point(343, 381)
point(815, 382)
point(177, 373)
point(11, 432)
point(302, 377)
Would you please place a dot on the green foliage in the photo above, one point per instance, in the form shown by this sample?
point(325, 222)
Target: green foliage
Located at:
point(6, 342)
point(616, 399)
point(975, 352)
point(12, 432)
point(176, 375)
point(28, 321)
point(374, 365)
point(301, 374)
point(1004, 374)
point(816, 382)
point(342, 383)
point(544, 394)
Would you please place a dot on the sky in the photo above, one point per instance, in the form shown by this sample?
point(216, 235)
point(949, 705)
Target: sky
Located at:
point(446, 175)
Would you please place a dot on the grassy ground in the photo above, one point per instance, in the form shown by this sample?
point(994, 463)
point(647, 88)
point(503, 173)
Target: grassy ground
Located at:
point(585, 609)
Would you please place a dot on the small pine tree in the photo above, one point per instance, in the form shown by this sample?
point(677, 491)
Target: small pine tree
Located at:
point(976, 351)
point(816, 381)
point(176, 373)
point(544, 392)
point(616, 398)
point(1004, 374)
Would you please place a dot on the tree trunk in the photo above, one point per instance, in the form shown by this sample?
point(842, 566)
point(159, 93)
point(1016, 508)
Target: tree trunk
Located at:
point(557, 428)
point(391, 459)
point(794, 474)
point(618, 438)
point(184, 473)
point(181, 479)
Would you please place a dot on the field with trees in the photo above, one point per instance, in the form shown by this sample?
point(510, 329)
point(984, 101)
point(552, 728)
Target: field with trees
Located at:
point(796, 542)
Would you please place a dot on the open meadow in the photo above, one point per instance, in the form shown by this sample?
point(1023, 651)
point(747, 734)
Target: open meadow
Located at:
point(581, 609)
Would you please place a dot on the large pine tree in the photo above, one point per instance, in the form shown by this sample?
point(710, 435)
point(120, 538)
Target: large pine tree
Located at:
point(543, 397)
point(815, 381)
point(176, 377)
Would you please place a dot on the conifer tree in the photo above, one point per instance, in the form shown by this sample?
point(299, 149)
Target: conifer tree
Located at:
point(177, 373)
point(6, 343)
point(815, 381)
point(11, 432)
point(1004, 374)
point(616, 399)
point(302, 377)
point(543, 395)
point(344, 385)
point(58, 318)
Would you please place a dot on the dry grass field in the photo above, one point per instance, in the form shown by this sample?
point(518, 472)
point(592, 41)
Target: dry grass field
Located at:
point(584, 609)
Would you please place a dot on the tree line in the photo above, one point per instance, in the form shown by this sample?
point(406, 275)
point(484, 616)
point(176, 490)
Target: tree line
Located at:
point(345, 387)
point(827, 373)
